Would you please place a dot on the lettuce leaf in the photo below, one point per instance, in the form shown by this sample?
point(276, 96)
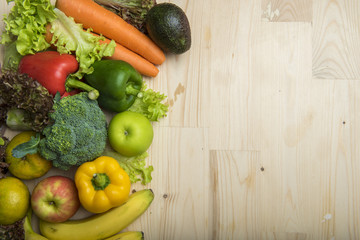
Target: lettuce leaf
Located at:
point(26, 25)
point(135, 167)
point(11, 56)
point(69, 37)
point(150, 104)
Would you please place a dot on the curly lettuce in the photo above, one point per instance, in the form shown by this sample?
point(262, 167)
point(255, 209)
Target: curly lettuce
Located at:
point(150, 104)
point(135, 167)
point(26, 25)
point(69, 37)
point(24, 103)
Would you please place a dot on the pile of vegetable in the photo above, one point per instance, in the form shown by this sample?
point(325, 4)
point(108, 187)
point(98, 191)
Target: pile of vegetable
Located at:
point(65, 66)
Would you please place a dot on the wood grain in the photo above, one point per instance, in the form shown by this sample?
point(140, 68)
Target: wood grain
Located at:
point(235, 186)
point(181, 183)
point(287, 10)
point(229, 84)
point(261, 139)
point(336, 40)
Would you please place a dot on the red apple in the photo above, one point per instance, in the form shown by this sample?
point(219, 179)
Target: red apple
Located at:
point(55, 199)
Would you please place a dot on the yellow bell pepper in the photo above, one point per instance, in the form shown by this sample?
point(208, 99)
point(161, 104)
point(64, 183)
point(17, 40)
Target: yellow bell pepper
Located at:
point(102, 184)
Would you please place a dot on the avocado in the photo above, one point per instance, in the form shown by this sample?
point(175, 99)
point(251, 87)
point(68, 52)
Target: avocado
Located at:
point(169, 28)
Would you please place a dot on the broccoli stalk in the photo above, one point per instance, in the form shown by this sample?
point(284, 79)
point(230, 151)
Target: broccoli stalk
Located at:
point(132, 11)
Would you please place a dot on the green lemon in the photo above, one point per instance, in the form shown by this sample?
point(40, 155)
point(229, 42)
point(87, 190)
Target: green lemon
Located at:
point(29, 167)
point(14, 200)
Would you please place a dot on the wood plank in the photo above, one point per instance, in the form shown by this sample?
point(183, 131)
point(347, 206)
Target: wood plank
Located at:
point(301, 117)
point(229, 84)
point(336, 39)
point(335, 155)
point(287, 10)
point(284, 236)
point(235, 187)
point(281, 83)
point(181, 208)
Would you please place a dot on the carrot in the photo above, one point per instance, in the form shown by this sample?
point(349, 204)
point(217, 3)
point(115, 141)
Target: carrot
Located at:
point(142, 65)
point(102, 21)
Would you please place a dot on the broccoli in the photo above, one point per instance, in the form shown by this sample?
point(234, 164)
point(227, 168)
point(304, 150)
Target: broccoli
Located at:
point(78, 133)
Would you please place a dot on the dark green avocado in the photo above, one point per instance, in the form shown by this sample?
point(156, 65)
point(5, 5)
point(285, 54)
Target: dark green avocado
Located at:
point(169, 28)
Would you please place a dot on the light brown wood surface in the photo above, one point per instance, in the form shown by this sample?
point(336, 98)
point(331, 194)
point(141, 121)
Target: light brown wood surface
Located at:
point(262, 137)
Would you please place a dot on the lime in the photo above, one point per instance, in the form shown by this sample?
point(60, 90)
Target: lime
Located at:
point(14, 200)
point(29, 167)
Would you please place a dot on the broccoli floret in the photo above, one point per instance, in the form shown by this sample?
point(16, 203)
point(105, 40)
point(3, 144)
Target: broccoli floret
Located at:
point(78, 133)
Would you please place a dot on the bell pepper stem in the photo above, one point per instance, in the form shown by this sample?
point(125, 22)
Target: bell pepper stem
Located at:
point(100, 181)
point(72, 83)
point(131, 90)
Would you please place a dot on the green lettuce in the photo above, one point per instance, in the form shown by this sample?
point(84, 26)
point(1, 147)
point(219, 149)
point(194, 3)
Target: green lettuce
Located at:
point(135, 167)
point(150, 104)
point(69, 37)
point(26, 25)
point(11, 56)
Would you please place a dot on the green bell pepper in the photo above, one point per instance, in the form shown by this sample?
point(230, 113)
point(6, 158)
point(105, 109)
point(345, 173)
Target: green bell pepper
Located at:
point(118, 83)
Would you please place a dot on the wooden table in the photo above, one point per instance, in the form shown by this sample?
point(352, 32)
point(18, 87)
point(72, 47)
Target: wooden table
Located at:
point(262, 137)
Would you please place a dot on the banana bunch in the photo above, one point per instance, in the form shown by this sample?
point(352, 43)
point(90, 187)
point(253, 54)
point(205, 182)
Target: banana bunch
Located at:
point(99, 226)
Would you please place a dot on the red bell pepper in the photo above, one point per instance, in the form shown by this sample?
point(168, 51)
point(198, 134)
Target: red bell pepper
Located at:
point(52, 69)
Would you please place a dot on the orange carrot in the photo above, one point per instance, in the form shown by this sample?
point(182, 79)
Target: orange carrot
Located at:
point(142, 65)
point(102, 21)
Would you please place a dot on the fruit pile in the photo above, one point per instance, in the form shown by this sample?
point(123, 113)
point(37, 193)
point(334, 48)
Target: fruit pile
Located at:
point(64, 66)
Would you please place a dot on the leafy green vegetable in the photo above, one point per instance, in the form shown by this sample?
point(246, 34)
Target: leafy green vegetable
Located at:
point(13, 231)
point(29, 147)
point(135, 167)
point(3, 144)
point(70, 37)
point(25, 24)
point(150, 104)
point(11, 57)
point(24, 103)
point(4, 167)
point(18, 119)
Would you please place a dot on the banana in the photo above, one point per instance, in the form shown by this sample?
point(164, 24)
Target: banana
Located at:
point(29, 232)
point(132, 235)
point(100, 226)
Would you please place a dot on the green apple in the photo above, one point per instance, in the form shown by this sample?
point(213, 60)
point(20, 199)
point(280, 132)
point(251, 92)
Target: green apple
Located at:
point(130, 133)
